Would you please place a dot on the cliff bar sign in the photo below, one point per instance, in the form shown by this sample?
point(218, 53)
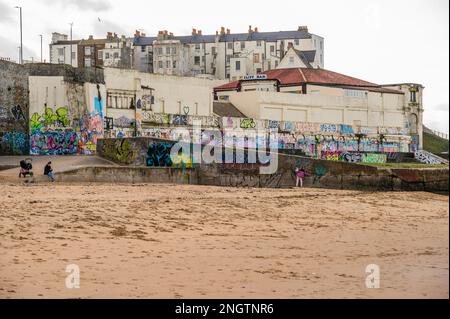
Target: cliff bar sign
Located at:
point(255, 77)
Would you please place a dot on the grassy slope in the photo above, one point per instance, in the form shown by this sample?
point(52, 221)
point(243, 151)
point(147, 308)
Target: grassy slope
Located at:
point(434, 144)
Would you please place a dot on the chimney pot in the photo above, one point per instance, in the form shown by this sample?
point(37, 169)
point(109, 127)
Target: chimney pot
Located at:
point(199, 32)
point(290, 45)
point(194, 31)
point(228, 31)
point(249, 29)
point(256, 29)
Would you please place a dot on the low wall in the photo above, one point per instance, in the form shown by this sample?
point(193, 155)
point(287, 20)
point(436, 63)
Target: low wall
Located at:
point(148, 160)
point(123, 174)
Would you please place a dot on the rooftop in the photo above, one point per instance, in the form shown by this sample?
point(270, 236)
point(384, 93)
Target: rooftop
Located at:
point(299, 76)
point(251, 36)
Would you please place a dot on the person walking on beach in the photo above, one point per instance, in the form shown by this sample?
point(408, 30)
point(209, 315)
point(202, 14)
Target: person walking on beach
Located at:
point(49, 171)
point(300, 175)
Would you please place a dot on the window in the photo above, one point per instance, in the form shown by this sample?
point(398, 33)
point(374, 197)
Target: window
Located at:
point(87, 62)
point(213, 50)
point(297, 41)
point(276, 63)
point(160, 64)
point(228, 58)
point(258, 43)
point(291, 60)
point(230, 45)
point(242, 45)
point(61, 51)
point(174, 50)
point(167, 50)
point(197, 60)
point(174, 64)
point(143, 48)
point(412, 97)
point(106, 55)
point(167, 64)
point(73, 56)
point(100, 54)
point(272, 49)
point(355, 93)
point(160, 51)
point(87, 50)
point(238, 65)
point(197, 46)
point(116, 55)
point(258, 70)
point(256, 58)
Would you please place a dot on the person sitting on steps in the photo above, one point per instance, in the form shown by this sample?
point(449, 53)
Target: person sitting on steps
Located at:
point(49, 171)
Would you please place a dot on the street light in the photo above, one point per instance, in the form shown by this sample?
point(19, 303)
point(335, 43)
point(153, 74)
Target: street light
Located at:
point(21, 45)
point(41, 46)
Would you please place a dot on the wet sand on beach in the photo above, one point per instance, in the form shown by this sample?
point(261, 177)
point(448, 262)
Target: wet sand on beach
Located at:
point(186, 241)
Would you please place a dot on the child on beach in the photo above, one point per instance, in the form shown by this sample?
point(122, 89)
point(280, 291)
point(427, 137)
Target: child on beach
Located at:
point(300, 175)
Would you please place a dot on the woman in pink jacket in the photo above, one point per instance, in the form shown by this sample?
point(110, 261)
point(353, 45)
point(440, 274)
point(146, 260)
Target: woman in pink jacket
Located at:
point(300, 175)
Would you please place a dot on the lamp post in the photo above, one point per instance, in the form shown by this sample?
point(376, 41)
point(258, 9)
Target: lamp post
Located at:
point(41, 46)
point(71, 26)
point(21, 45)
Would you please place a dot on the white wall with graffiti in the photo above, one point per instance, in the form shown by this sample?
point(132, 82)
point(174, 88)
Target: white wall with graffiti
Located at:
point(65, 117)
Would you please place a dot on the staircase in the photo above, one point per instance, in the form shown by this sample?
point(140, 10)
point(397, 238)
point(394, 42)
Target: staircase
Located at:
point(429, 158)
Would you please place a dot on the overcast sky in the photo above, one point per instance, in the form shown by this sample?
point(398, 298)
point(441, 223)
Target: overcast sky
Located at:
point(382, 41)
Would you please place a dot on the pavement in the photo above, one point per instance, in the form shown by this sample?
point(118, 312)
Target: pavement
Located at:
point(60, 163)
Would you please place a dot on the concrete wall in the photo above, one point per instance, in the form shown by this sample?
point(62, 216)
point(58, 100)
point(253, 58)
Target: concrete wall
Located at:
point(141, 153)
point(14, 109)
point(322, 105)
point(172, 94)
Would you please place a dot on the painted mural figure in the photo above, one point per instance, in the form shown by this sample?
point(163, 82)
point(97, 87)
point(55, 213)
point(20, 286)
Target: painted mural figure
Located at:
point(26, 167)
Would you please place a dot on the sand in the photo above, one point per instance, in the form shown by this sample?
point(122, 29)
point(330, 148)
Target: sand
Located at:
point(180, 241)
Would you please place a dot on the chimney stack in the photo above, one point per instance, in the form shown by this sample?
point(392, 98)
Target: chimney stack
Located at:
point(199, 32)
point(222, 30)
point(228, 31)
point(290, 45)
point(91, 37)
point(194, 31)
point(256, 29)
point(250, 29)
point(303, 28)
point(137, 34)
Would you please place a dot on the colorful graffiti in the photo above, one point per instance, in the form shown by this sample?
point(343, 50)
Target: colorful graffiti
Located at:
point(53, 143)
point(247, 123)
point(120, 151)
point(15, 143)
point(158, 155)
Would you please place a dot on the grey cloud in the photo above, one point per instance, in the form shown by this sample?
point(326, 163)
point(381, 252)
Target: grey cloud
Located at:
point(6, 12)
point(10, 49)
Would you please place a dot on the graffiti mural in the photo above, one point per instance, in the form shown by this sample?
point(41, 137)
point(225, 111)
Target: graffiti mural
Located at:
point(352, 157)
point(15, 143)
point(17, 113)
point(120, 151)
point(247, 123)
point(53, 143)
point(158, 155)
point(328, 128)
point(179, 119)
point(374, 158)
point(346, 129)
point(428, 158)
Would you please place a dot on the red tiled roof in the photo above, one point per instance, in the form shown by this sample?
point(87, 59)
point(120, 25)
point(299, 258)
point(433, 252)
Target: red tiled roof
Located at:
point(299, 76)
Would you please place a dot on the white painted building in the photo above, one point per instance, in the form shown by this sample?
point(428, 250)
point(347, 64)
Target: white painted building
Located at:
point(322, 96)
point(118, 51)
point(63, 51)
point(224, 55)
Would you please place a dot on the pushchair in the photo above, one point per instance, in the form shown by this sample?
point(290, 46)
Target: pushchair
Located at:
point(25, 168)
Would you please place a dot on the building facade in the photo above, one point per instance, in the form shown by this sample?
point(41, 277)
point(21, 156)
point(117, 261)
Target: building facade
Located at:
point(63, 51)
point(90, 52)
point(118, 52)
point(224, 55)
point(321, 96)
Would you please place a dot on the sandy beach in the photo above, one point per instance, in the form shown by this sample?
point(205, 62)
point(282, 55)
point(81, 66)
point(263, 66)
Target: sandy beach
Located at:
point(180, 241)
